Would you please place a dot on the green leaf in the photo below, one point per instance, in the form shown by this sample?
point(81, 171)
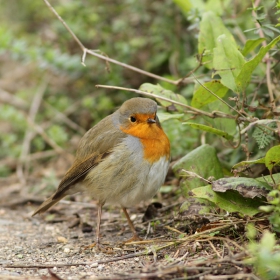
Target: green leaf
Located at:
point(272, 157)
point(211, 27)
point(243, 78)
point(230, 201)
point(210, 129)
point(263, 135)
point(159, 90)
point(202, 96)
point(250, 45)
point(203, 161)
point(166, 116)
point(248, 162)
point(224, 124)
point(227, 61)
point(184, 5)
point(267, 179)
point(247, 187)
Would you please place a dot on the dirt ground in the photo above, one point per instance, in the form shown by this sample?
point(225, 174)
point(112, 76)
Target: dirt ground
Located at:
point(54, 245)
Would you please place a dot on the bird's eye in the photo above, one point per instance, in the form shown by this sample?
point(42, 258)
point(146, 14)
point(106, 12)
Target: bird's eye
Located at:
point(132, 119)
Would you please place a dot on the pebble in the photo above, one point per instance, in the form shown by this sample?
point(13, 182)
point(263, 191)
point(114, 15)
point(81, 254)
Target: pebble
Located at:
point(101, 267)
point(66, 250)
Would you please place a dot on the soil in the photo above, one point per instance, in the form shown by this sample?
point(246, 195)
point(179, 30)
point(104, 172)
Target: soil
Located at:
point(55, 244)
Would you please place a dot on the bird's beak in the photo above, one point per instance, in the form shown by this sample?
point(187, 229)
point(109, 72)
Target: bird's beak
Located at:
point(151, 121)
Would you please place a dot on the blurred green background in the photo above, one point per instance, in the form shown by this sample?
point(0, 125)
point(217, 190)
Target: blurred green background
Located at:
point(39, 57)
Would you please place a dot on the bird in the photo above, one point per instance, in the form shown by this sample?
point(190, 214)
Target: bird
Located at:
point(122, 160)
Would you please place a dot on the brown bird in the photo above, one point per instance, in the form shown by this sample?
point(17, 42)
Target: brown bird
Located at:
point(122, 160)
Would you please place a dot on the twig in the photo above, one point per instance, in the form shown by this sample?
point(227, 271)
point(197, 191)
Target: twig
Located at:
point(175, 230)
point(233, 276)
point(41, 132)
point(91, 264)
point(258, 122)
point(15, 101)
point(192, 109)
point(191, 174)
point(214, 249)
point(106, 58)
point(25, 148)
point(266, 58)
point(219, 98)
point(66, 120)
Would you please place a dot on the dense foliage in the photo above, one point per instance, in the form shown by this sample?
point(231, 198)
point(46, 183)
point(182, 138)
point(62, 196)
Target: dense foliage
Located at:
point(220, 61)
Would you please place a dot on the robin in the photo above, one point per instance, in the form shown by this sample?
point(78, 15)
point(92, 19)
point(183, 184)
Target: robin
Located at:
point(121, 160)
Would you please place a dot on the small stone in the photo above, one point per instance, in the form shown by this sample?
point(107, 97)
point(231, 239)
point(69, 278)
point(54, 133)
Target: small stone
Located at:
point(62, 239)
point(100, 267)
point(66, 250)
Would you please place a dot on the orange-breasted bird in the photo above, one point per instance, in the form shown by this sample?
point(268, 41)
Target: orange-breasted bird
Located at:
point(121, 160)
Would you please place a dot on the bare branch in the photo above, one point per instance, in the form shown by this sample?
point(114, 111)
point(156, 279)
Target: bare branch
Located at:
point(106, 58)
point(193, 110)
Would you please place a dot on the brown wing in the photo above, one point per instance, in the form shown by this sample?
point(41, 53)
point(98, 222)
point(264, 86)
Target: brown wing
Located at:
point(95, 145)
point(77, 173)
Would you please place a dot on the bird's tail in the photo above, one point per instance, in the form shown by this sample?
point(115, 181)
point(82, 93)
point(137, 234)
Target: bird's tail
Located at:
point(46, 205)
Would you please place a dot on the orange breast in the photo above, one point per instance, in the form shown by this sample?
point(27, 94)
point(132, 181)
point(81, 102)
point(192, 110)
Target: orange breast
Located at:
point(154, 140)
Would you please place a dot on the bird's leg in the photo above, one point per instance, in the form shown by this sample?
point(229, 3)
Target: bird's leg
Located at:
point(135, 236)
point(99, 212)
point(96, 244)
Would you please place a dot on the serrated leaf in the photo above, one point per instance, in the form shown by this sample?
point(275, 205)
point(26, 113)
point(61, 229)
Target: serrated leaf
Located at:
point(159, 90)
point(230, 201)
point(272, 157)
point(227, 61)
point(210, 129)
point(202, 96)
point(250, 45)
point(243, 78)
point(166, 116)
point(247, 187)
point(211, 27)
point(263, 136)
point(248, 162)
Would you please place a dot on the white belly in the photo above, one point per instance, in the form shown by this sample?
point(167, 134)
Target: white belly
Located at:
point(117, 180)
point(147, 188)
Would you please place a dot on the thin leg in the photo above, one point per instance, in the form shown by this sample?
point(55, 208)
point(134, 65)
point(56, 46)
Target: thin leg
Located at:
point(135, 236)
point(97, 242)
point(99, 212)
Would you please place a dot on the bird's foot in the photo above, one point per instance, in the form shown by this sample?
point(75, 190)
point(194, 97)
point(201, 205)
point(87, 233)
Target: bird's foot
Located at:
point(100, 248)
point(134, 238)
